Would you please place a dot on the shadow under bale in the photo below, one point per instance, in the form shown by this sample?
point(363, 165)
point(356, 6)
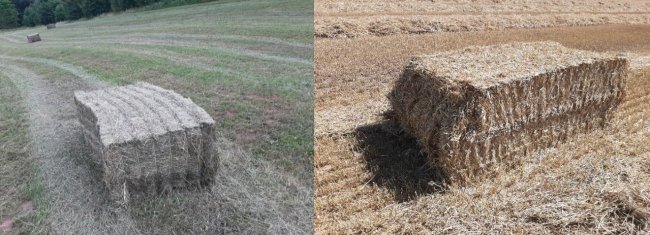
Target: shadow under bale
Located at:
point(397, 162)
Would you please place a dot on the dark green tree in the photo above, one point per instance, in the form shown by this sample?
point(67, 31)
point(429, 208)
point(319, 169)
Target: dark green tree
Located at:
point(36, 12)
point(59, 12)
point(31, 17)
point(72, 10)
point(91, 8)
point(139, 3)
point(21, 5)
point(121, 5)
point(45, 10)
point(8, 15)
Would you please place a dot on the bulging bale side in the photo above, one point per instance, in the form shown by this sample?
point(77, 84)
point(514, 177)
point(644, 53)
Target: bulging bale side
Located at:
point(147, 139)
point(469, 123)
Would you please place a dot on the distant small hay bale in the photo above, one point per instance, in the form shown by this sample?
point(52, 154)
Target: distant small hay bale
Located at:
point(50, 26)
point(33, 38)
point(147, 139)
point(478, 106)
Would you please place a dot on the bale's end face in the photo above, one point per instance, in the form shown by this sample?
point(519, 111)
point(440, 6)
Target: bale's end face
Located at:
point(146, 138)
point(478, 106)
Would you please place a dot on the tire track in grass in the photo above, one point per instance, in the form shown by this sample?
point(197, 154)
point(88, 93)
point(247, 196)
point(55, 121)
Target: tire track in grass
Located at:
point(20, 35)
point(263, 45)
point(186, 37)
point(177, 58)
point(245, 52)
point(75, 70)
point(162, 53)
point(80, 72)
point(74, 189)
point(9, 39)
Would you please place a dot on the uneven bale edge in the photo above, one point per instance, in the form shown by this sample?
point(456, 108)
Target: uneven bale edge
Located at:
point(90, 129)
point(468, 130)
point(157, 163)
point(181, 161)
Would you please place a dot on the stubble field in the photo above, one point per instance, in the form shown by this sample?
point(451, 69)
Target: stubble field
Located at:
point(371, 177)
point(343, 18)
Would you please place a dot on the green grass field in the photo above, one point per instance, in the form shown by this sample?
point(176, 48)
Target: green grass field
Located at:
point(248, 63)
point(20, 178)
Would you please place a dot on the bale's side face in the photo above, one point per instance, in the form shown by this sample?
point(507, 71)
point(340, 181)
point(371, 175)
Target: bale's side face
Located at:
point(471, 125)
point(33, 38)
point(147, 139)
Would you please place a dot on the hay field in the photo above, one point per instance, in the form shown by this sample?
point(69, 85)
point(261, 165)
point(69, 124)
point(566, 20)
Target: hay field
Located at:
point(247, 63)
point(372, 178)
point(344, 18)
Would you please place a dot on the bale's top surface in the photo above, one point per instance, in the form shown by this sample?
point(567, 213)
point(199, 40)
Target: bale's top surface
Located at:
point(490, 65)
point(140, 111)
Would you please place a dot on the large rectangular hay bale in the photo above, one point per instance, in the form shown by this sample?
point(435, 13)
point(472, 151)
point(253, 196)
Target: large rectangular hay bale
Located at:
point(51, 26)
point(147, 139)
point(478, 106)
point(33, 38)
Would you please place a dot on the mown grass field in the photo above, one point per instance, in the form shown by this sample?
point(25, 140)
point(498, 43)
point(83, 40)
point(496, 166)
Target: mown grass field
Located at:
point(247, 63)
point(21, 187)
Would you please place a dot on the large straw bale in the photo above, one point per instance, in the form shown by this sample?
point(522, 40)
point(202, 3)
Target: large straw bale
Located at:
point(51, 26)
point(478, 106)
point(147, 139)
point(33, 38)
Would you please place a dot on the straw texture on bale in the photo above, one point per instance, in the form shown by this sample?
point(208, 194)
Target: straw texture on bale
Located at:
point(33, 38)
point(147, 139)
point(50, 26)
point(473, 108)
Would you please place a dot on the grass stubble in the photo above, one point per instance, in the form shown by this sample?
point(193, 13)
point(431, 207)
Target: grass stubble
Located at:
point(344, 18)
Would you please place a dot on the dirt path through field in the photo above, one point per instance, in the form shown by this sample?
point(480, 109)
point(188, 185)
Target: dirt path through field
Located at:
point(74, 189)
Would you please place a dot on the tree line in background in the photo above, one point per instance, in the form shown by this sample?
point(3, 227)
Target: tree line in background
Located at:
point(15, 13)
